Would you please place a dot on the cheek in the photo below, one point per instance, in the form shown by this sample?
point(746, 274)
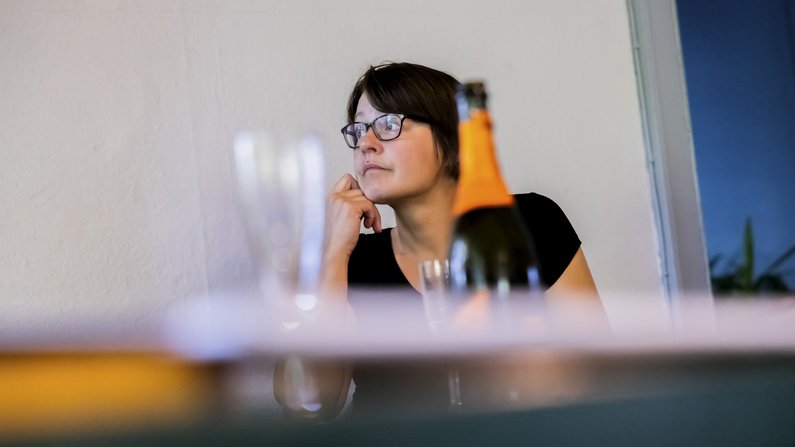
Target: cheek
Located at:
point(426, 162)
point(358, 161)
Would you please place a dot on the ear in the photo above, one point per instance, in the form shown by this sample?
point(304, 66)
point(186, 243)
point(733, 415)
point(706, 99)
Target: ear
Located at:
point(449, 163)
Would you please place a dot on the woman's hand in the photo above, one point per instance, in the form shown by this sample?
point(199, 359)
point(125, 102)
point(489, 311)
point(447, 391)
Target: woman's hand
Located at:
point(346, 208)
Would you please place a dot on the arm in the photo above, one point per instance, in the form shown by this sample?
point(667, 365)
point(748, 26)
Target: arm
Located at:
point(575, 279)
point(327, 382)
point(574, 297)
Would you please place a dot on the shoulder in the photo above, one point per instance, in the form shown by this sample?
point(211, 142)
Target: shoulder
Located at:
point(539, 210)
point(535, 202)
point(554, 236)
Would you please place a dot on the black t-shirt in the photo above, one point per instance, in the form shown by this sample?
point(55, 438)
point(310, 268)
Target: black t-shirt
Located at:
point(373, 263)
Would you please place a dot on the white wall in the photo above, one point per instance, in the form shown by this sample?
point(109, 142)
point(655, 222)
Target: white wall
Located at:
point(117, 117)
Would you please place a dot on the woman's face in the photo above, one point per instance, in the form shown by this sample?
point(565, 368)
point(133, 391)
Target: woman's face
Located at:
point(389, 171)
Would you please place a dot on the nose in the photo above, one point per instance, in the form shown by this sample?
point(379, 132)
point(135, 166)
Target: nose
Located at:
point(369, 142)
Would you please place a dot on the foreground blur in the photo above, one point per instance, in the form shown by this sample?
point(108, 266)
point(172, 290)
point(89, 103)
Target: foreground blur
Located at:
point(209, 365)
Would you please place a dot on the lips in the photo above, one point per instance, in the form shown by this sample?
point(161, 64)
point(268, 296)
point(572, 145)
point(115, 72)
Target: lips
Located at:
point(372, 166)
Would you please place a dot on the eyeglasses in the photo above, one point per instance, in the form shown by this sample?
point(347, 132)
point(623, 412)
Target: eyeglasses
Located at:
point(386, 127)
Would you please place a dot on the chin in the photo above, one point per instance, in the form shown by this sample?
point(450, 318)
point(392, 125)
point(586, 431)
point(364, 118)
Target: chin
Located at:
point(376, 195)
point(379, 199)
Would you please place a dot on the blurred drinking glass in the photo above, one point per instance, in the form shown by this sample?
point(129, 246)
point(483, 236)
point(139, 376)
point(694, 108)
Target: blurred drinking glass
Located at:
point(435, 279)
point(281, 191)
point(435, 287)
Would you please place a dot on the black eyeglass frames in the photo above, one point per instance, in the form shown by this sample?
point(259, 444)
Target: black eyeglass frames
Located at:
point(385, 127)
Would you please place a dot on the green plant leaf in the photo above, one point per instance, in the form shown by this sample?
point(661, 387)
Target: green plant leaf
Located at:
point(738, 274)
point(780, 260)
point(771, 283)
point(724, 284)
point(746, 273)
point(713, 262)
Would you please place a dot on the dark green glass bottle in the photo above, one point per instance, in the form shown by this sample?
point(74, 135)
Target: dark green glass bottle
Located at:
point(492, 252)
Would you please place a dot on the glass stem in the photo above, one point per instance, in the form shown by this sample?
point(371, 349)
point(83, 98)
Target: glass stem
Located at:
point(454, 385)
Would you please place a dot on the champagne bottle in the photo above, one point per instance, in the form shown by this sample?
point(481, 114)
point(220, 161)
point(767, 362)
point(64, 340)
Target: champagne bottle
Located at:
point(492, 251)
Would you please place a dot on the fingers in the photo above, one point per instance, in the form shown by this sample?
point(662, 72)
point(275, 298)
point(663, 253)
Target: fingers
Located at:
point(377, 220)
point(347, 190)
point(345, 183)
point(372, 218)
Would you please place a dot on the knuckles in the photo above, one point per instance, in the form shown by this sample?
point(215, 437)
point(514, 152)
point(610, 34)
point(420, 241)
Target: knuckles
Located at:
point(345, 206)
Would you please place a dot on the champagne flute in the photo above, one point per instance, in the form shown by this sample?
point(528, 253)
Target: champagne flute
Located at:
point(435, 282)
point(281, 193)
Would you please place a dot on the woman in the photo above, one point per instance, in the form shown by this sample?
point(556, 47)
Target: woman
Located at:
point(413, 167)
point(403, 132)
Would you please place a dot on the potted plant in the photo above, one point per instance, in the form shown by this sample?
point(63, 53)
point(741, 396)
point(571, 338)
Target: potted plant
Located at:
point(739, 278)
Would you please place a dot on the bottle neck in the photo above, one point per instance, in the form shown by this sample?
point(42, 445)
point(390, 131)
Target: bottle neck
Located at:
point(480, 184)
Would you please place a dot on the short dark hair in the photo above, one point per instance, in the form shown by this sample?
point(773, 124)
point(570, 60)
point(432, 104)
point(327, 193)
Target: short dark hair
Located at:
point(419, 91)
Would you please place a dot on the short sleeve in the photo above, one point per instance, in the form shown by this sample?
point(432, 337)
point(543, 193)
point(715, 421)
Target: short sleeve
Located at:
point(554, 237)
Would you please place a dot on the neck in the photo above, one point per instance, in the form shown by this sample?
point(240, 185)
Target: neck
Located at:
point(424, 223)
